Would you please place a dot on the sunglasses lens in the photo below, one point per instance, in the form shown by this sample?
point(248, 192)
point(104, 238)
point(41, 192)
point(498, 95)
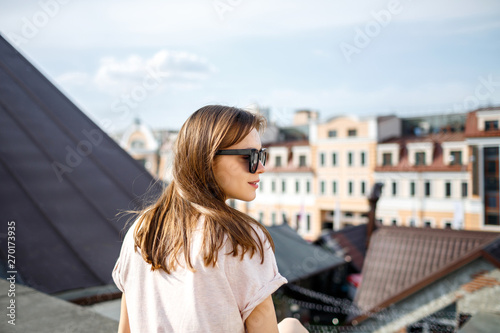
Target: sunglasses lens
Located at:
point(263, 157)
point(254, 161)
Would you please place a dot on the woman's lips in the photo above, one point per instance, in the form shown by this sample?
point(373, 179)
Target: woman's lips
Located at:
point(254, 184)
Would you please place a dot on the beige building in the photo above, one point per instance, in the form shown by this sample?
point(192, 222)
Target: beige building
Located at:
point(344, 159)
point(319, 174)
point(286, 189)
point(446, 179)
point(153, 149)
point(427, 182)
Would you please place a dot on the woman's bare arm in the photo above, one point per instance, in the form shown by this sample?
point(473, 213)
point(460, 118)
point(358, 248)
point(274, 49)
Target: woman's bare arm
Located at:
point(263, 318)
point(123, 326)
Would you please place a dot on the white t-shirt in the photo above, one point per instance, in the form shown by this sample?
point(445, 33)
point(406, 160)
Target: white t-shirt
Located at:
point(213, 299)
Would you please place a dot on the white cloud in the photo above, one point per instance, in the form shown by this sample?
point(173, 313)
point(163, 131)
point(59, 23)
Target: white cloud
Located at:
point(177, 70)
point(73, 78)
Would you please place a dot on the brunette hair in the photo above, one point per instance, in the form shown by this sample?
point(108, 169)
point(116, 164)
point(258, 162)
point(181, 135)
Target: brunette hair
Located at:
point(164, 229)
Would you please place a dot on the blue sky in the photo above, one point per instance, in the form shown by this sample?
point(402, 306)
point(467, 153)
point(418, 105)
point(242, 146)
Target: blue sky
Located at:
point(162, 60)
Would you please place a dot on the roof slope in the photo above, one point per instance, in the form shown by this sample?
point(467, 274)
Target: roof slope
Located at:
point(298, 259)
point(63, 182)
point(401, 260)
point(352, 240)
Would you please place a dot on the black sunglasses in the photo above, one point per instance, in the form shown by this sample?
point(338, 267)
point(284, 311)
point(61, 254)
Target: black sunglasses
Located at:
point(254, 154)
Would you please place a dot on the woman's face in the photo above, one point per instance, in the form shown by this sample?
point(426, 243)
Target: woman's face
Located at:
point(231, 171)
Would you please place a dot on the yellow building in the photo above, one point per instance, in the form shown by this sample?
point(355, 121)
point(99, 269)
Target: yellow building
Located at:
point(344, 160)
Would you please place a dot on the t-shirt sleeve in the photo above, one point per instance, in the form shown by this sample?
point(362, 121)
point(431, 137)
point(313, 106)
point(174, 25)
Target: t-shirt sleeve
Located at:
point(116, 274)
point(251, 281)
point(120, 268)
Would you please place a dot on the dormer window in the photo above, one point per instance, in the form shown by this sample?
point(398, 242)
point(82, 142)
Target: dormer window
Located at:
point(352, 132)
point(386, 159)
point(420, 158)
point(302, 161)
point(456, 157)
point(491, 125)
point(277, 161)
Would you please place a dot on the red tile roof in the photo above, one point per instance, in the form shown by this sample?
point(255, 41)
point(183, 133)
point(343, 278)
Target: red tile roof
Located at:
point(400, 261)
point(471, 126)
point(437, 163)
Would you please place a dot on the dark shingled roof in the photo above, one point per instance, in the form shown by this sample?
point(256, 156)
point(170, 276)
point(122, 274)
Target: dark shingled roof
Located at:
point(352, 240)
point(401, 261)
point(296, 258)
point(63, 182)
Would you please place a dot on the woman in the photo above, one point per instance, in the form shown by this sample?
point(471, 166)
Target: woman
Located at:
point(191, 263)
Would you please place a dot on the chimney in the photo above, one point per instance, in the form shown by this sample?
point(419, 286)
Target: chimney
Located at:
point(372, 222)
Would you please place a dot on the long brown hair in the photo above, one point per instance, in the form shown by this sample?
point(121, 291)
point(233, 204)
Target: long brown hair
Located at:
point(164, 229)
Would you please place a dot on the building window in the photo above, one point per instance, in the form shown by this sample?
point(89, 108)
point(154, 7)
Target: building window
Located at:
point(334, 187)
point(363, 188)
point(427, 224)
point(412, 189)
point(308, 219)
point(412, 222)
point(394, 222)
point(350, 186)
point(273, 218)
point(420, 158)
point(491, 185)
point(363, 158)
point(352, 132)
point(427, 190)
point(284, 219)
point(308, 187)
point(322, 187)
point(322, 159)
point(447, 225)
point(349, 159)
point(334, 159)
point(491, 125)
point(273, 186)
point(386, 159)
point(394, 188)
point(297, 186)
point(332, 133)
point(464, 190)
point(456, 158)
point(261, 217)
point(475, 170)
point(302, 161)
point(277, 161)
point(261, 186)
point(137, 144)
point(283, 186)
point(348, 215)
point(447, 189)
